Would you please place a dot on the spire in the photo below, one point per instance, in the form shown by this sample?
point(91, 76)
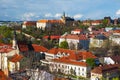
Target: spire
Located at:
point(14, 39)
point(63, 14)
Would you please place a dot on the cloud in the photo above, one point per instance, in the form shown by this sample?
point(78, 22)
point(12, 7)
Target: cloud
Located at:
point(77, 16)
point(48, 15)
point(118, 12)
point(28, 16)
point(58, 15)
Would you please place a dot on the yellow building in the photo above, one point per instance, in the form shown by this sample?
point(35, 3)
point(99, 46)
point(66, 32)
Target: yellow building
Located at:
point(107, 71)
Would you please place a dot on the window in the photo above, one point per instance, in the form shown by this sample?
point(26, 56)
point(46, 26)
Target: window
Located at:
point(82, 74)
point(82, 69)
point(68, 67)
point(75, 68)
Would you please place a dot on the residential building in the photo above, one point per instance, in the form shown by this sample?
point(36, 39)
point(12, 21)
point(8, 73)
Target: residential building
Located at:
point(87, 22)
point(75, 41)
point(9, 59)
point(42, 24)
point(77, 31)
point(67, 61)
point(29, 24)
point(108, 72)
point(69, 67)
point(112, 60)
point(115, 37)
point(98, 40)
point(96, 22)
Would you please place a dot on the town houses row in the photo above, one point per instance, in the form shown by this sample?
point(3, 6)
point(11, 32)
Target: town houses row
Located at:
point(44, 23)
point(65, 61)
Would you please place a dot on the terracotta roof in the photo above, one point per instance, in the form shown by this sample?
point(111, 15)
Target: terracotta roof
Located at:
point(52, 37)
point(29, 23)
point(116, 59)
point(116, 31)
point(43, 21)
point(97, 21)
point(86, 55)
point(50, 21)
point(16, 58)
point(74, 36)
point(73, 54)
point(2, 76)
point(106, 68)
point(78, 30)
point(5, 48)
point(68, 61)
point(38, 48)
point(55, 21)
point(2, 44)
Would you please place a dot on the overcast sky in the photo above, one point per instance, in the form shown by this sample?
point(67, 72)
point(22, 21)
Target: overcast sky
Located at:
point(49, 9)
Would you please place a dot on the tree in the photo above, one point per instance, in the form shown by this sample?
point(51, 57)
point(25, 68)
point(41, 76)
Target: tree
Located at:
point(117, 78)
point(91, 62)
point(105, 22)
point(64, 45)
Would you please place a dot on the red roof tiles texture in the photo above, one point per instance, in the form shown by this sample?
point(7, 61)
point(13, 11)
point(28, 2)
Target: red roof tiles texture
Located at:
point(73, 54)
point(68, 61)
point(16, 58)
point(2, 76)
point(74, 36)
point(38, 48)
point(50, 21)
point(30, 23)
point(106, 68)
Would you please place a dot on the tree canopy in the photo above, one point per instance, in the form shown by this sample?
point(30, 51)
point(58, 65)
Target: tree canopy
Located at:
point(91, 62)
point(64, 45)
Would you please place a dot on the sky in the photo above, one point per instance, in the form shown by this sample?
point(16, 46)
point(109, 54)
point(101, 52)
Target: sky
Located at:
point(29, 10)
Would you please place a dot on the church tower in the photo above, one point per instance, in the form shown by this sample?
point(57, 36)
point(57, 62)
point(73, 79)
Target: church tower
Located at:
point(63, 18)
point(14, 44)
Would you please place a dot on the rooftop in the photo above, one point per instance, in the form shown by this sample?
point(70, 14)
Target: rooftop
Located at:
point(106, 68)
point(74, 36)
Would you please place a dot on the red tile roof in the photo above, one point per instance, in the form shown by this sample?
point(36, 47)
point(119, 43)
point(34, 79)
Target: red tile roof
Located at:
point(106, 68)
point(73, 54)
point(86, 55)
point(78, 30)
point(38, 48)
point(55, 21)
point(29, 23)
point(16, 58)
point(74, 36)
point(68, 61)
point(116, 59)
point(97, 21)
point(43, 21)
point(2, 76)
point(50, 21)
point(116, 31)
point(5, 48)
point(52, 37)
